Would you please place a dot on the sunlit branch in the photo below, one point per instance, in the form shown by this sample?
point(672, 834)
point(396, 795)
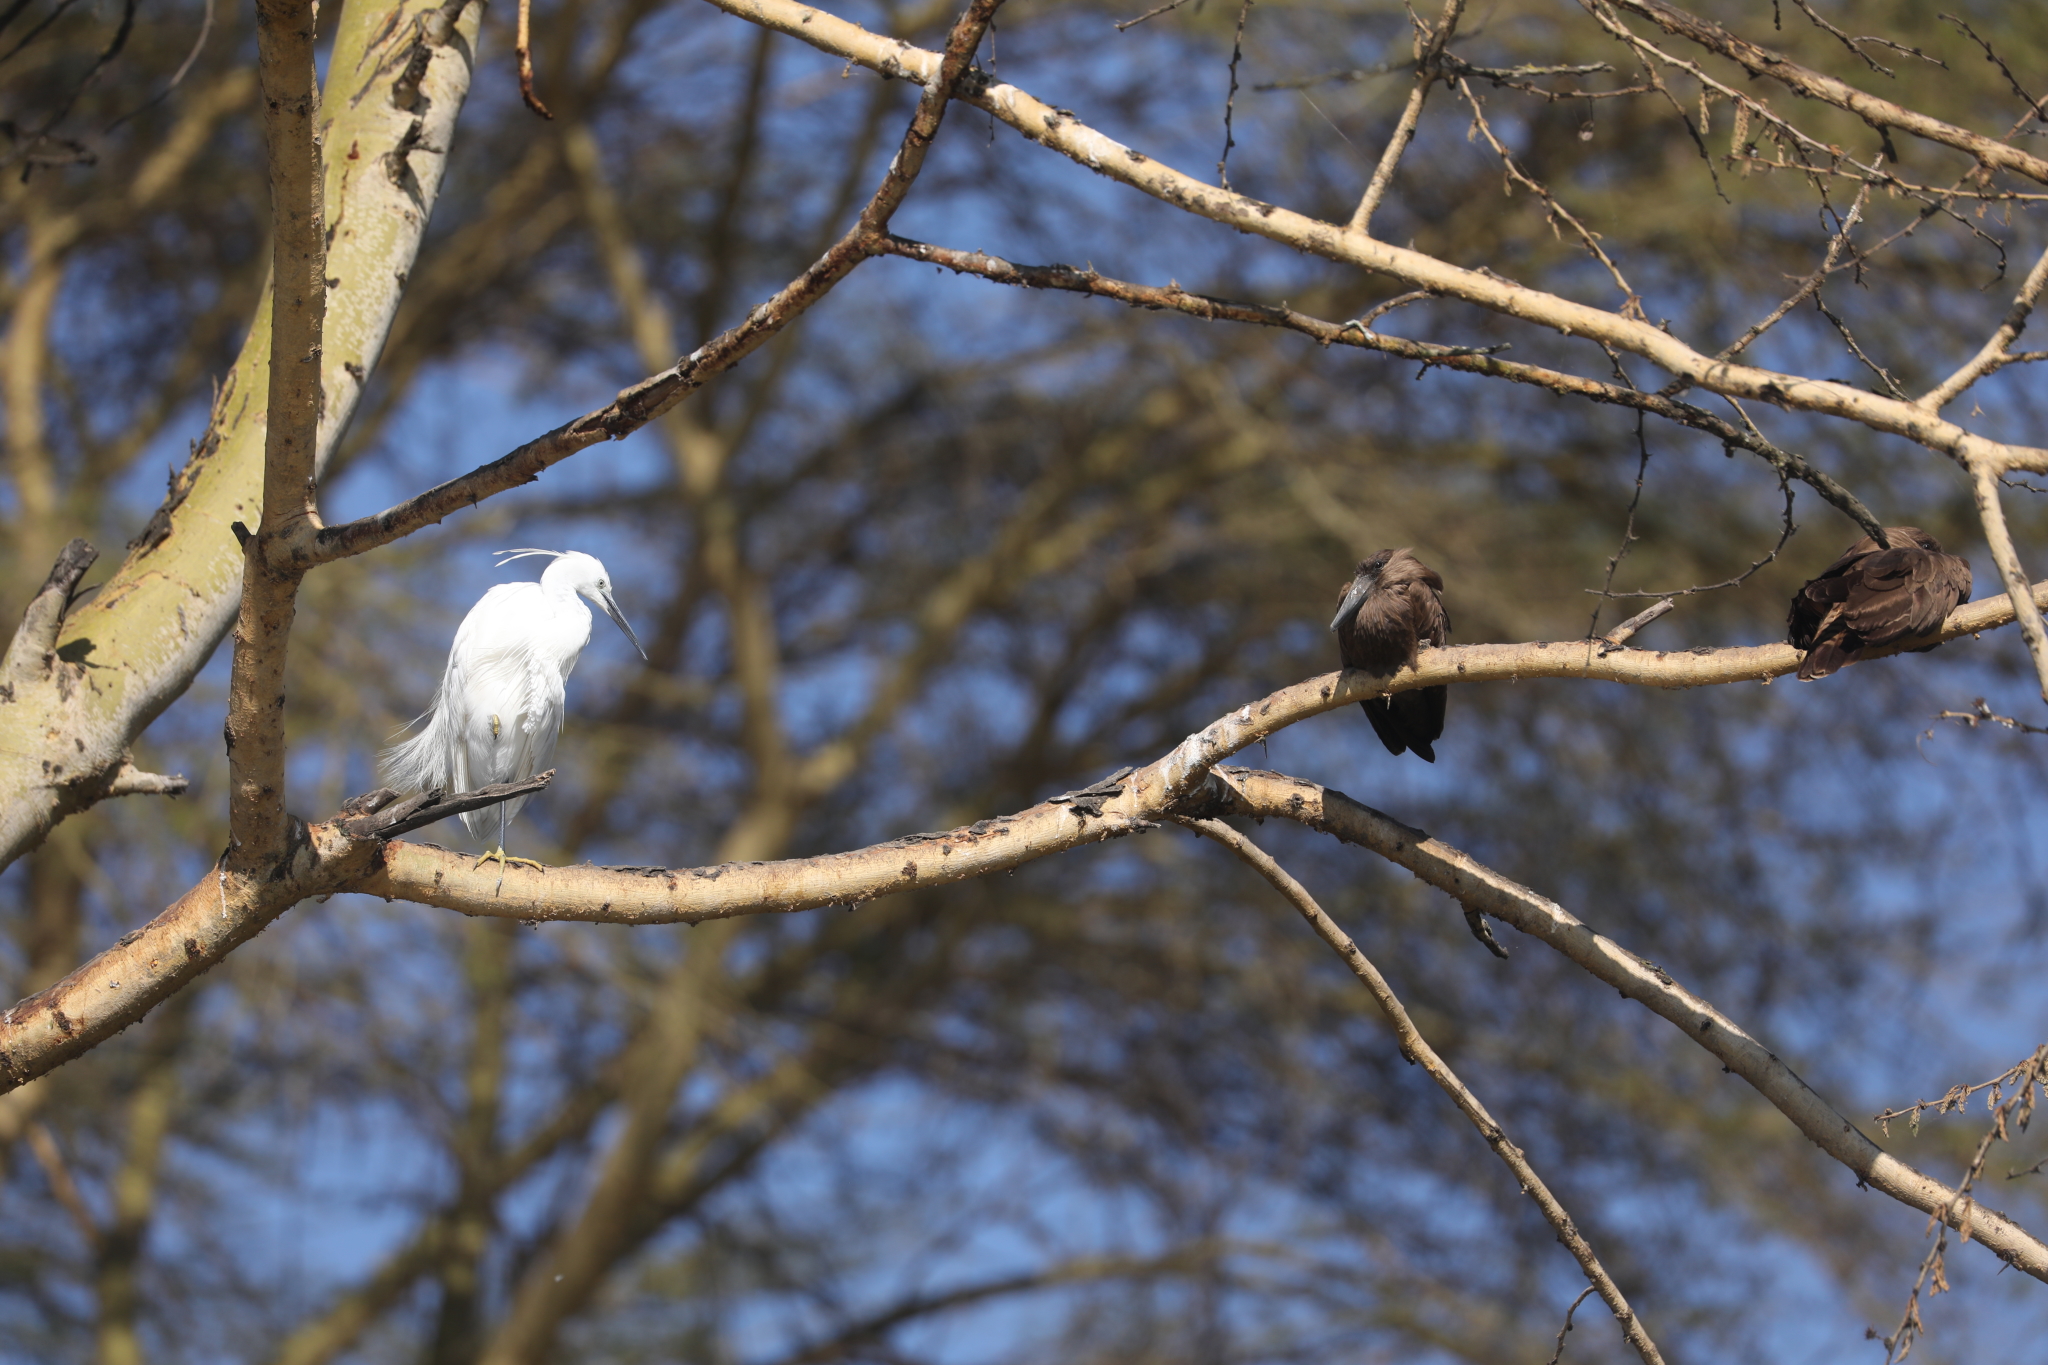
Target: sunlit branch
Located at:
point(1061, 132)
point(1238, 791)
point(1995, 352)
point(1480, 360)
point(1429, 47)
point(1998, 537)
point(122, 984)
point(1877, 112)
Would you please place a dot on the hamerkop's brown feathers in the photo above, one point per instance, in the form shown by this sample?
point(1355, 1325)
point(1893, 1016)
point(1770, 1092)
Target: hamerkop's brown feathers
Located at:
point(1392, 607)
point(1870, 598)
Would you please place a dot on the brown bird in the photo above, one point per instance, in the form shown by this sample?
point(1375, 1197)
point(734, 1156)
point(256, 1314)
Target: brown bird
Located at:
point(1392, 607)
point(1870, 598)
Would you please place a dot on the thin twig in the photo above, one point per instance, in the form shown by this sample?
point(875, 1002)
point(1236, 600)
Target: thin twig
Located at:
point(1632, 304)
point(1244, 12)
point(1994, 354)
point(1786, 530)
point(1626, 631)
point(1150, 14)
point(523, 46)
point(1851, 43)
point(2008, 1111)
point(1628, 528)
point(1416, 1049)
point(1982, 714)
point(1812, 283)
point(2036, 108)
point(1891, 385)
point(1565, 1330)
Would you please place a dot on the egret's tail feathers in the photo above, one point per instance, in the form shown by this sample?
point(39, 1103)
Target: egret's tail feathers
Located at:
point(420, 763)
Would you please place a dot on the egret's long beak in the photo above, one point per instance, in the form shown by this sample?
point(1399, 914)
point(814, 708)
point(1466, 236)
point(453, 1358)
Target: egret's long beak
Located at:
point(611, 609)
point(1354, 598)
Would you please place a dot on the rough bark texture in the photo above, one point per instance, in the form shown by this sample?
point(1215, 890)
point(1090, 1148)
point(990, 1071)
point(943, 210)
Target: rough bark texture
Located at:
point(124, 656)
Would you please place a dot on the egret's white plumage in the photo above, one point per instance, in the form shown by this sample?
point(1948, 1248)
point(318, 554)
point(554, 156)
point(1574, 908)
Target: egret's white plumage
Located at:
point(498, 711)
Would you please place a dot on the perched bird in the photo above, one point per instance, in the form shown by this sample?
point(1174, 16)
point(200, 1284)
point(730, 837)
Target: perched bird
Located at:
point(498, 711)
point(1872, 597)
point(1392, 607)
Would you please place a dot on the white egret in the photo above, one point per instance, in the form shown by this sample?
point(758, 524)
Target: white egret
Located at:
point(498, 711)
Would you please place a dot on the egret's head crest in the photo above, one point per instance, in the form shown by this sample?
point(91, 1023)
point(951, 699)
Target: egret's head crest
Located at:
point(510, 555)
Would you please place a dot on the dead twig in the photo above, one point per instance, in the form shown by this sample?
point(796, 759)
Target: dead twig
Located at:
point(1982, 714)
point(2013, 1095)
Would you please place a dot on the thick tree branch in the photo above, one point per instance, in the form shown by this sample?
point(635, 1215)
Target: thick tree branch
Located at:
point(658, 895)
point(225, 909)
point(128, 652)
point(1239, 791)
point(1065, 134)
point(1416, 1049)
point(257, 821)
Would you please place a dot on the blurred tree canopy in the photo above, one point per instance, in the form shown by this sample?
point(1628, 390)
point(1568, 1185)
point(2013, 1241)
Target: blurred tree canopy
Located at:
point(940, 550)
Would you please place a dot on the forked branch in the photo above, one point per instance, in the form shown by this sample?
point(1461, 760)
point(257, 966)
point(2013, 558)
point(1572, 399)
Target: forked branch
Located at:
point(1416, 1049)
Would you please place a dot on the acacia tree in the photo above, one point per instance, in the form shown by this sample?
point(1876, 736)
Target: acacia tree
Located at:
point(353, 177)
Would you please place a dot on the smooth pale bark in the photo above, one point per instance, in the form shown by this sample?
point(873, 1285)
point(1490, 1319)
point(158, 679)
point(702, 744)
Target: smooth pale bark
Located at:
point(132, 650)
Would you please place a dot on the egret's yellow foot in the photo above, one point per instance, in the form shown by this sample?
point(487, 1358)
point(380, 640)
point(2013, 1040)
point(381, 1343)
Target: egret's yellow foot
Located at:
point(504, 860)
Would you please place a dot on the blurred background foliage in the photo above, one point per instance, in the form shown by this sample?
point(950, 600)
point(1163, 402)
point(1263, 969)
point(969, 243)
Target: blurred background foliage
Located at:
point(944, 550)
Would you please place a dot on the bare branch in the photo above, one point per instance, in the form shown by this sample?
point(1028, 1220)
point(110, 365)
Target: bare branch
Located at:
point(257, 821)
point(1065, 134)
point(2037, 109)
point(2008, 1110)
point(227, 907)
point(1565, 1331)
point(130, 780)
point(1877, 112)
point(1429, 46)
point(523, 50)
point(1980, 713)
point(1622, 633)
point(1558, 213)
point(1998, 537)
point(1812, 283)
point(635, 407)
point(32, 650)
point(1995, 353)
point(1244, 12)
point(1239, 791)
point(1415, 1048)
point(1470, 359)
